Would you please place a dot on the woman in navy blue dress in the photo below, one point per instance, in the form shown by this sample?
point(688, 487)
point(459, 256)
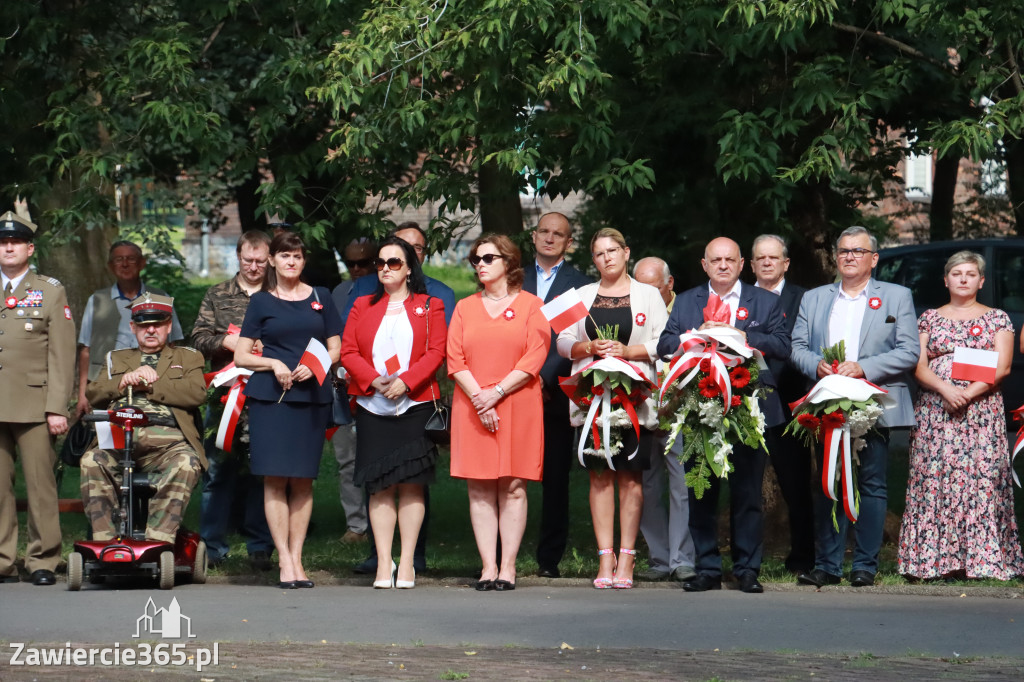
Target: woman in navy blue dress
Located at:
point(289, 410)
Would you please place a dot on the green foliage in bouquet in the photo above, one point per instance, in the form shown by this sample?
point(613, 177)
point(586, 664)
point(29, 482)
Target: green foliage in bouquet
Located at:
point(695, 413)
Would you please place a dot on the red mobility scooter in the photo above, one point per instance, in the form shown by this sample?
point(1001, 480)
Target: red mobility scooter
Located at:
point(130, 554)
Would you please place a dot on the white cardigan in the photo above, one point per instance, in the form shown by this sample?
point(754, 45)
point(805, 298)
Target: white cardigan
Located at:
point(643, 300)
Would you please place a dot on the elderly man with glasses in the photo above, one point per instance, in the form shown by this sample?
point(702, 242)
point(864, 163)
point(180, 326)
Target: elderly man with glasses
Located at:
point(877, 322)
point(105, 322)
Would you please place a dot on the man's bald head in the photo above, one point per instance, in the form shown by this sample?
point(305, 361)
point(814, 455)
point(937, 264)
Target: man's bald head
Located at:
point(654, 271)
point(722, 262)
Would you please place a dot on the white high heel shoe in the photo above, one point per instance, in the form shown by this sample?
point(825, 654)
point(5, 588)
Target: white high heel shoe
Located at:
point(390, 582)
point(405, 584)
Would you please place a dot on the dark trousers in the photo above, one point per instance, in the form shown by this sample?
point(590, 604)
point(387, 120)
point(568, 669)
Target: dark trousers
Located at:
point(554, 515)
point(745, 518)
point(871, 482)
point(791, 460)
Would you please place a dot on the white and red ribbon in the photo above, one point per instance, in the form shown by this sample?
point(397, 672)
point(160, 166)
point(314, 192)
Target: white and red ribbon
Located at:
point(604, 405)
point(234, 401)
point(697, 346)
point(837, 441)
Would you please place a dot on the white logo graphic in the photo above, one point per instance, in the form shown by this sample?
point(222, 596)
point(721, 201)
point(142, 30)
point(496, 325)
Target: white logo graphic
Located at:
point(164, 622)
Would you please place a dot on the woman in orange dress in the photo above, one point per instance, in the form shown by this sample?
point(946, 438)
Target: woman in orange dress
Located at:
point(497, 343)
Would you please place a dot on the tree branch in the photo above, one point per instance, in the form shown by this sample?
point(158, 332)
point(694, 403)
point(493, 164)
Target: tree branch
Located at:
point(1015, 73)
point(892, 42)
point(209, 41)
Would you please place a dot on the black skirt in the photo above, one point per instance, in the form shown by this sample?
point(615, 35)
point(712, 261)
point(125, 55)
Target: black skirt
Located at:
point(286, 439)
point(640, 462)
point(392, 450)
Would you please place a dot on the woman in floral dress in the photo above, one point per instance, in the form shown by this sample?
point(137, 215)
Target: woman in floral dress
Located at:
point(959, 520)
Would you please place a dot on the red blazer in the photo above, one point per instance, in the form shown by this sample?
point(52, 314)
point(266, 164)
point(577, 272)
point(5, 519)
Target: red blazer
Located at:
point(361, 328)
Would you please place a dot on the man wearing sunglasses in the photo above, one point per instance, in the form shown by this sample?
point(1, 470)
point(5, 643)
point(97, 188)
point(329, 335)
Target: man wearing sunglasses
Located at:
point(359, 259)
point(411, 232)
point(550, 277)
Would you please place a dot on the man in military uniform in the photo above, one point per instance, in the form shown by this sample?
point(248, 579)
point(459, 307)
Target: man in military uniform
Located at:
point(227, 476)
point(105, 320)
point(167, 384)
point(37, 361)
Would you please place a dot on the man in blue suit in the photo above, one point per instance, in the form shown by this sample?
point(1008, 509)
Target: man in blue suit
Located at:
point(550, 277)
point(758, 315)
point(364, 286)
point(878, 323)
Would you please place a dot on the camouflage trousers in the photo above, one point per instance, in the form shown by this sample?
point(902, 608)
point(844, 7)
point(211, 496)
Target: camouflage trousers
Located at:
point(157, 449)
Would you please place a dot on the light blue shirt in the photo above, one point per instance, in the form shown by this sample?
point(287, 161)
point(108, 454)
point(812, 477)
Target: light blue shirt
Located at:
point(125, 337)
point(544, 280)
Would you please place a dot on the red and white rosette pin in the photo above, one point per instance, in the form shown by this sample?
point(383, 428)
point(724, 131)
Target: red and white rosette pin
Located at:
point(11, 301)
point(874, 303)
point(317, 306)
point(419, 311)
point(742, 313)
point(975, 330)
point(509, 314)
point(641, 319)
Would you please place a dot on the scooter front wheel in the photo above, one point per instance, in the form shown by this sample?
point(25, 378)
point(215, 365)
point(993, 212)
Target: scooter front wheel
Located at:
point(75, 568)
point(166, 570)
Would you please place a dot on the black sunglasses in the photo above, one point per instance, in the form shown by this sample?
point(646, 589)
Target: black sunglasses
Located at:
point(362, 263)
point(487, 258)
point(392, 263)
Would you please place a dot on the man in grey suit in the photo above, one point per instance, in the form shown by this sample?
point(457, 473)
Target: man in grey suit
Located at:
point(550, 277)
point(878, 323)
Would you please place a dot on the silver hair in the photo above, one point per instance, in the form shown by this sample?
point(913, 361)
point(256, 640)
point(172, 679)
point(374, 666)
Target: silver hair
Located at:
point(856, 230)
point(961, 257)
point(665, 272)
point(766, 237)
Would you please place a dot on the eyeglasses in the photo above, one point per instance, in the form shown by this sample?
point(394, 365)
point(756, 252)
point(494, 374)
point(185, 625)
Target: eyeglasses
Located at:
point(487, 258)
point(857, 253)
point(361, 264)
point(392, 263)
point(610, 252)
point(258, 262)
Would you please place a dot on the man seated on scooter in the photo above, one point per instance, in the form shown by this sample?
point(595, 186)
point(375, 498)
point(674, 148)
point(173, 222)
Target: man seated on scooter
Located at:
point(167, 384)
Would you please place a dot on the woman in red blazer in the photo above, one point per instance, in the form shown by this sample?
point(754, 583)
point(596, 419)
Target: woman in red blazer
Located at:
point(393, 344)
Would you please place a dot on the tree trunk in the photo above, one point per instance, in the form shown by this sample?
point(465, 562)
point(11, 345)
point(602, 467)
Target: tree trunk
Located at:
point(500, 210)
point(943, 195)
point(1015, 180)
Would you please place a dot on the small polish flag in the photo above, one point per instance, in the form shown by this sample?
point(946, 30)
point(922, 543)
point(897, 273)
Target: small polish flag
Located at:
point(392, 365)
point(972, 364)
point(564, 311)
point(110, 436)
point(317, 359)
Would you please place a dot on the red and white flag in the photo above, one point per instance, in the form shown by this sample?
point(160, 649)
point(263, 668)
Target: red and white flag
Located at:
point(110, 436)
point(973, 364)
point(564, 311)
point(317, 359)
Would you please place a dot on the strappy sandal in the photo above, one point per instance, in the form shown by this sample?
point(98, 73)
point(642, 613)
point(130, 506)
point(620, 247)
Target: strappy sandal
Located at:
point(603, 583)
point(624, 583)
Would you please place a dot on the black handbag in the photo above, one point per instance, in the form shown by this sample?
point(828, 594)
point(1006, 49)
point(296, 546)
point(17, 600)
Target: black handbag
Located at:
point(341, 409)
point(439, 425)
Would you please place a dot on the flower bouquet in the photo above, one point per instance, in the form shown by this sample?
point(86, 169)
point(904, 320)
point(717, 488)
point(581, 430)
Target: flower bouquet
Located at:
point(838, 410)
point(709, 394)
point(608, 393)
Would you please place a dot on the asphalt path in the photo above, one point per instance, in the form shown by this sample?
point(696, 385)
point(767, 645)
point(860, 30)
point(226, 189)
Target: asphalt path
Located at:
point(659, 617)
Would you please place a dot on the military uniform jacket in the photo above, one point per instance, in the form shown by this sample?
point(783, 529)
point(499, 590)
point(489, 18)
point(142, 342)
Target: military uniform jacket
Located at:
point(180, 386)
point(223, 305)
point(37, 351)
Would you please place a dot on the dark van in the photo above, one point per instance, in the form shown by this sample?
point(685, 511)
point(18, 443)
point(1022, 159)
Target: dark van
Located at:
point(919, 268)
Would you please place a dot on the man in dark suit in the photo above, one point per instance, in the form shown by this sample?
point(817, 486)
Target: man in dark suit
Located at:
point(790, 458)
point(758, 315)
point(550, 277)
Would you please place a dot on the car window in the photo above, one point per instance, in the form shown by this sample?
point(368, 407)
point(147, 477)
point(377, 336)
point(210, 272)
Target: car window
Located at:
point(1009, 279)
point(921, 272)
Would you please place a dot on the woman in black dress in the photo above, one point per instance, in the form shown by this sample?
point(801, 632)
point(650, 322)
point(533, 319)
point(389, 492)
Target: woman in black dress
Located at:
point(639, 314)
point(289, 409)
